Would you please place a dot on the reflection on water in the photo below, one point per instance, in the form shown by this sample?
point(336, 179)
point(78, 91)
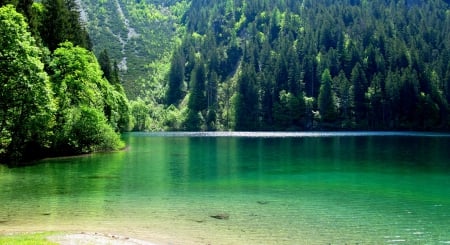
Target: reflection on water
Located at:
point(292, 188)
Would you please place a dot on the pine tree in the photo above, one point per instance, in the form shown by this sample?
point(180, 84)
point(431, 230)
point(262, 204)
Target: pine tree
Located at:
point(247, 104)
point(176, 78)
point(62, 23)
point(327, 107)
point(197, 98)
point(105, 65)
point(359, 81)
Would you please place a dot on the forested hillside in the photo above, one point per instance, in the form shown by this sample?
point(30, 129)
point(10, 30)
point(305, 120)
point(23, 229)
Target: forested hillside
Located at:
point(322, 64)
point(279, 65)
point(54, 97)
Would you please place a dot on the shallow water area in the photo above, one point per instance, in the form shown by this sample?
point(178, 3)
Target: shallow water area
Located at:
point(263, 188)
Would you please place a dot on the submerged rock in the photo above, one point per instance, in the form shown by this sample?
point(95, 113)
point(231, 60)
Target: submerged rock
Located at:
point(221, 216)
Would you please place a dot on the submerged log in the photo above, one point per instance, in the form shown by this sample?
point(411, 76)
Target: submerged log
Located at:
point(220, 216)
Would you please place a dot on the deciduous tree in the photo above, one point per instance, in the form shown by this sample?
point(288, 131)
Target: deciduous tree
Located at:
point(26, 105)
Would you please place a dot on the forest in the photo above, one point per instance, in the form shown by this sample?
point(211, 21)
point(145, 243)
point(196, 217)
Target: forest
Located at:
point(244, 65)
point(55, 98)
point(313, 65)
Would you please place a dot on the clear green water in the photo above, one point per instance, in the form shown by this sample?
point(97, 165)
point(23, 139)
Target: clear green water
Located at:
point(276, 189)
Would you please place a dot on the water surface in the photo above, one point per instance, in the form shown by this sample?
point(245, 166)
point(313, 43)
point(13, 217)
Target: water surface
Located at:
point(291, 188)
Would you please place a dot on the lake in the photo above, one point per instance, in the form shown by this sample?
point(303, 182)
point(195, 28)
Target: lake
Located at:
point(262, 188)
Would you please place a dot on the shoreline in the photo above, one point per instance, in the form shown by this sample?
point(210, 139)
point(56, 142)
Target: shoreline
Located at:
point(114, 235)
point(82, 238)
point(78, 238)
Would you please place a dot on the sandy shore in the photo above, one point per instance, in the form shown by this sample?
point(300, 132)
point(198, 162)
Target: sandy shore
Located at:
point(95, 238)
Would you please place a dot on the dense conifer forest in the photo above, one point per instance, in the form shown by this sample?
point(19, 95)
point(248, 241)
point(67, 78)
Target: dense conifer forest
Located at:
point(302, 65)
point(216, 65)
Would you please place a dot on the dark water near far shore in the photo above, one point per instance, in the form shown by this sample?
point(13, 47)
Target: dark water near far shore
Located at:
point(272, 188)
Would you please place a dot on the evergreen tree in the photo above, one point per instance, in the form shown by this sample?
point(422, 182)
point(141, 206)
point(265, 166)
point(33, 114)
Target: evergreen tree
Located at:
point(376, 100)
point(105, 65)
point(358, 79)
point(176, 79)
point(212, 105)
point(247, 102)
point(62, 23)
point(345, 97)
point(197, 98)
point(327, 107)
point(115, 77)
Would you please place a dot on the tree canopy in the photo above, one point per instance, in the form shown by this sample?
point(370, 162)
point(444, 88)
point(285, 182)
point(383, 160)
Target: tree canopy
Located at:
point(54, 103)
point(26, 103)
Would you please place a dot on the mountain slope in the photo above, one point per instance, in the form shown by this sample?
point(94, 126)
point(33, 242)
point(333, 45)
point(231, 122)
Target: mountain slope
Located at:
point(281, 64)
point(316, 64)
point(138, 35)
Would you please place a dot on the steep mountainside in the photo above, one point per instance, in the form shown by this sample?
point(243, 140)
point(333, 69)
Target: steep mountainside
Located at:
point(138, 35)
point(279, 64)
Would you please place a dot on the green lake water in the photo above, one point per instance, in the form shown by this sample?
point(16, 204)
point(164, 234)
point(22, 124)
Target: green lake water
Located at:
point(274, 188)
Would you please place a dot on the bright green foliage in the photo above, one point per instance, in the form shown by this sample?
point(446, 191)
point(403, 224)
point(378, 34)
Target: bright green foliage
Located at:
point(141, 115)
point(26, 239)
point(87, 130)
point(26, 105)
point(77, 78)
point(117, 108)
point(327, 107)
point(76, 110)
point(83, 98)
